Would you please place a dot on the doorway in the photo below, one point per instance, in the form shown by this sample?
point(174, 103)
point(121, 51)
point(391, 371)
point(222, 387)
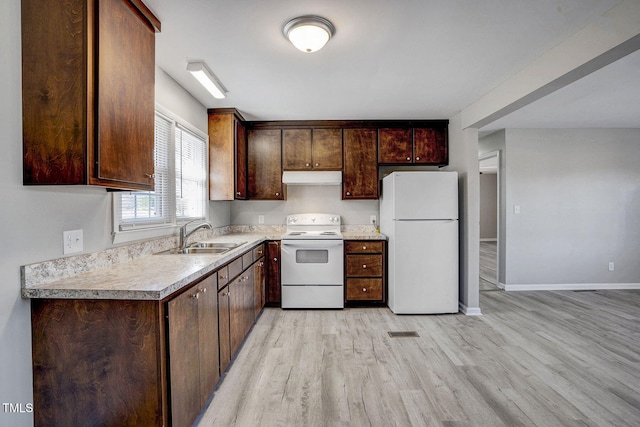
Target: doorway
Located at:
point(489, 166)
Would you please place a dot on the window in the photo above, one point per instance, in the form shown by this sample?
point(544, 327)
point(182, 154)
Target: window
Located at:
point(180, 182)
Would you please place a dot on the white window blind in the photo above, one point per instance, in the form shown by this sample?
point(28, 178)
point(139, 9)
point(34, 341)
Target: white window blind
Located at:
point(180, 181)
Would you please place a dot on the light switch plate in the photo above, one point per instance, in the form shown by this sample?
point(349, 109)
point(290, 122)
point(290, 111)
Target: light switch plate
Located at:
point(72, 242)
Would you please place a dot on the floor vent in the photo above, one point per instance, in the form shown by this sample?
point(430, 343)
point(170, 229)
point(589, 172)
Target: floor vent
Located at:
point(403, 334)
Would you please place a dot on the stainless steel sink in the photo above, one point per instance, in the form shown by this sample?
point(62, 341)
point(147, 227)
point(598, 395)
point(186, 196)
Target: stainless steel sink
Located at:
point(217, 245)
point(212, 248)
point(192, 250)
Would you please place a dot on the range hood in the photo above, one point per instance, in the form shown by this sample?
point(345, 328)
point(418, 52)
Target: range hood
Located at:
point(312, 177)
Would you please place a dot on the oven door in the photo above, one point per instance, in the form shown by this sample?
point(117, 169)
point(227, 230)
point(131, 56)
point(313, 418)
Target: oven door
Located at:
point(312, 262)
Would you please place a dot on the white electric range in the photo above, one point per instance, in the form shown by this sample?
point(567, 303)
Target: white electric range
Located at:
point(312, 262)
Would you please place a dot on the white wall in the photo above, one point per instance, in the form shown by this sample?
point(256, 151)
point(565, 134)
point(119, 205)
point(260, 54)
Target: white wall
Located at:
point(488, 206)
point(579, 197)
point(32, 219)
point(305, 199)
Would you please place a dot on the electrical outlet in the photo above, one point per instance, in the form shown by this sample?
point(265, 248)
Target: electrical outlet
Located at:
point(260, 219)
point(72, 242)
point(372, 219)
point(516, 209)
point(611, 266)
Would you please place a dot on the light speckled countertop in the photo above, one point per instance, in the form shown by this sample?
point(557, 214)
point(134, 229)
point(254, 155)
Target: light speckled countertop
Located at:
point(133, 272)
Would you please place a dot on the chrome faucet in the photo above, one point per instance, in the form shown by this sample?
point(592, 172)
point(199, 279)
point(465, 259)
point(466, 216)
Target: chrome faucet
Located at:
point(184, 235)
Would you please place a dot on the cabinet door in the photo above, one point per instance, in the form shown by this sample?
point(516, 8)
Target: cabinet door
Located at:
point(224, 332)
point(360, 174)
point(184, 364)
point(327, 149)
point(265, 164)
point(431, 146)
point(395, 146)
point(259, 275)
point(208, 337)
point(273, 274)
point(241, 160)
point(221, 157)
point(236, 314)
point(296, 149)
point(123, 156)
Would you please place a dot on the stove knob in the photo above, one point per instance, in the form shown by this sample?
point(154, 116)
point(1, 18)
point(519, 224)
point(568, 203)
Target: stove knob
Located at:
point(313, 219)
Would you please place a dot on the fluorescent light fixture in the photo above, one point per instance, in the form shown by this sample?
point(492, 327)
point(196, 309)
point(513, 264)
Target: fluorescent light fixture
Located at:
point(206, 78)
point(308, 33)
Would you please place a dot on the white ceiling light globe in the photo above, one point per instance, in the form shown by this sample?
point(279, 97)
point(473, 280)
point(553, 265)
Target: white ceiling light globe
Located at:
point(308, 33)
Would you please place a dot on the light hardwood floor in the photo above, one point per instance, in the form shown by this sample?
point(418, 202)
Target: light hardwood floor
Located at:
point(534, 358)
point(488, 275)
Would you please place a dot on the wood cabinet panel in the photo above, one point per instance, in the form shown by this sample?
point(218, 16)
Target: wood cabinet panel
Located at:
point(224, 335)
point(296, 149)
point(208, 337)
point(265, 164)
point(395, 145)
point(91, 356)
point(364, 265)
point(88, 93)
point(360, 173)
point(364, 246)
point(273, 291)
point(365, 272)
point(227, 155)
point(327, 149)
point(259, 280)
point(241, 161)
point(431, 146)
point(312, 149)
point(361, 289)
point(184, 368)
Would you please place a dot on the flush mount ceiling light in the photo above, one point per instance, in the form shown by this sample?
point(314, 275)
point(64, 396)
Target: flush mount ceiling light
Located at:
point(206, 78)
point(308, 33)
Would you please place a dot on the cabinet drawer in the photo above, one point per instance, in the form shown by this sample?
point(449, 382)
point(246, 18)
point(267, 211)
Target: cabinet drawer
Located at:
point(223, 277)
point(364, 247)
point(235, 268)
point(364, 289)
point(364, 265)
point(258, 252)
point(247, 260)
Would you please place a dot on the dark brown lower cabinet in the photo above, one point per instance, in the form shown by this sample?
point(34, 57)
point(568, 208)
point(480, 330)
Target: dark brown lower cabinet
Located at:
point(140, 362)
point(272, 297)
point(98, 362)
point(193, 350)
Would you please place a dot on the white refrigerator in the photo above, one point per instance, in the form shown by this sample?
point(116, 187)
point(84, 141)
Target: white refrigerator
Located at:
point(419, 215)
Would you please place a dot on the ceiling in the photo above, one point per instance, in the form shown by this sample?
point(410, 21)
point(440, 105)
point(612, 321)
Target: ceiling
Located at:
point(414, 59)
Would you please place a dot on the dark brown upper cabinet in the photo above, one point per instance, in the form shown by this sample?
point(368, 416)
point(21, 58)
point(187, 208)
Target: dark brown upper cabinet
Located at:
point(427, 146)
point(88, 97)
point(312, 149)
point(360, 174)
point(227, 155)
point(265, 164)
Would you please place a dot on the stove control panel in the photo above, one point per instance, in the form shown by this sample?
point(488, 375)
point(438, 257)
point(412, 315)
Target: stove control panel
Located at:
point(313, 219)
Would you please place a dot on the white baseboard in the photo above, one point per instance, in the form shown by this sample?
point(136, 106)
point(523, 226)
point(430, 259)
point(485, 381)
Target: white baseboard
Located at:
point(469, 311)
point(488, 239)
point(569, 286)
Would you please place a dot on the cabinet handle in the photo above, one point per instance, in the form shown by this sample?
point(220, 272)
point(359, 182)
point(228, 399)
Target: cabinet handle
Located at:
point(364, 289)
point(317, 164)
point(150, 175)
point(408, 159)
point(348, 193)
point(275, 260)
point(418, 158)
point(261, 264)
point(196, 295)
point(364, 248)
point(238, 193)
point(307, 164)
point(364, 265)
point(204, 290)
point(277, 194)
